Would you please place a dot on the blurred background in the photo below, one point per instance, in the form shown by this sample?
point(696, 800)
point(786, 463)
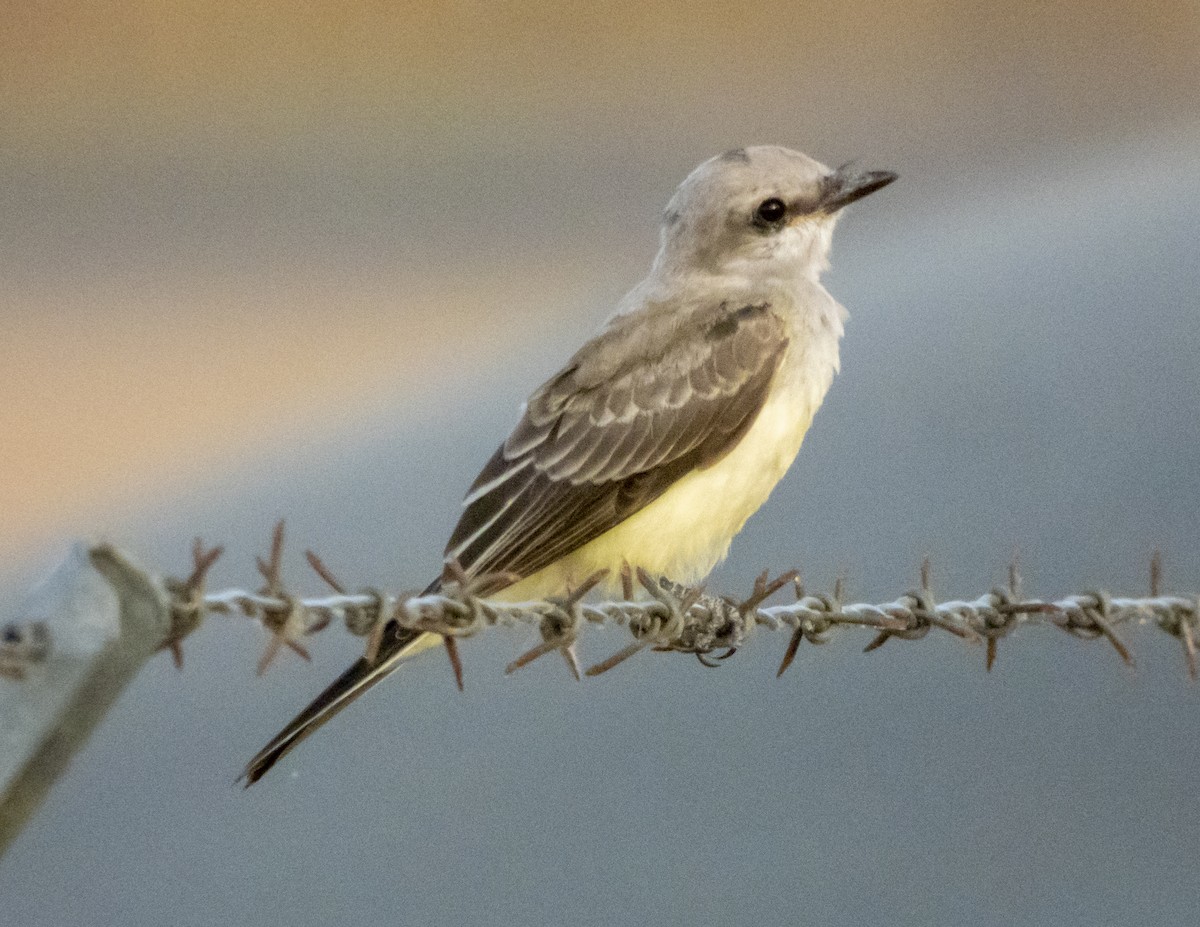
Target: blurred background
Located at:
point(306, 260)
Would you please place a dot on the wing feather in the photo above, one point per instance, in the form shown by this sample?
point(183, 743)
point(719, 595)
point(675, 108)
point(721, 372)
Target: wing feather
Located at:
point(612, 432)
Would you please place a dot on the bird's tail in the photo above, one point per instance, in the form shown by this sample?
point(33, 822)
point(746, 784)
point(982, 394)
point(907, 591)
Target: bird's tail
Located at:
point(398, 645)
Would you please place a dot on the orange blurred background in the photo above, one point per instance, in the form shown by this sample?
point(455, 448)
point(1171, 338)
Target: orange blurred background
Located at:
point(224, 225)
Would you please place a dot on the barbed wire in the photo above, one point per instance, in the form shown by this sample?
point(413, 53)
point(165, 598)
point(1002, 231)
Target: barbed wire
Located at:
point(668, 618)
point(671, 617)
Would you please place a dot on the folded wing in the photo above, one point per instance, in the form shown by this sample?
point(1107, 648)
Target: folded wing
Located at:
point(612, 431)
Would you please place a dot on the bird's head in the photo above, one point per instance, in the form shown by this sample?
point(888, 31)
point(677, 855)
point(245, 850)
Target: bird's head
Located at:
point(764, 209)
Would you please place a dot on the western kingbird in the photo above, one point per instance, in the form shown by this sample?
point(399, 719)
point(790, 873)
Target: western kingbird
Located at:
point(668, 429)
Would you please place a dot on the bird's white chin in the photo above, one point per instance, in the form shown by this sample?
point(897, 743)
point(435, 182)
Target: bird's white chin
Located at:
point(805, 246)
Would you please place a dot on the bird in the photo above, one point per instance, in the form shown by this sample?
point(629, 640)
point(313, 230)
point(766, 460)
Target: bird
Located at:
point(668, 429)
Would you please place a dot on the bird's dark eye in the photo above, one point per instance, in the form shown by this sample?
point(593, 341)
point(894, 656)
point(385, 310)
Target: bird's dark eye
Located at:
point(770, 212)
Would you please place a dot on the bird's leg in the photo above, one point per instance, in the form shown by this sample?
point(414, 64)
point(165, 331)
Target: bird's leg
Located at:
point(702, 635)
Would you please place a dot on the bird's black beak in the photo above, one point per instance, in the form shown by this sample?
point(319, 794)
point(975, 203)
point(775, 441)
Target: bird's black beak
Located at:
point(844, 186)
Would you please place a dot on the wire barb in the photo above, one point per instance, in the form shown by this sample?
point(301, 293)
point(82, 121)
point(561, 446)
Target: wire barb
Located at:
point(188, 605)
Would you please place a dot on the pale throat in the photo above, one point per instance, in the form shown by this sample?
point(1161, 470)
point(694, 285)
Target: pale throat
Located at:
point(799, 252)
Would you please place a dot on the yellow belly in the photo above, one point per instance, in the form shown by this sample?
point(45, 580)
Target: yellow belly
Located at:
point(687, 531)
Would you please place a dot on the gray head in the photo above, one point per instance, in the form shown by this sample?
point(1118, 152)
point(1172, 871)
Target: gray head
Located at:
point(764, 209)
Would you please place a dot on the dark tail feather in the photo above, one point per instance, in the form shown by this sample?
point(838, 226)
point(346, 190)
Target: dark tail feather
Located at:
point(398, 644)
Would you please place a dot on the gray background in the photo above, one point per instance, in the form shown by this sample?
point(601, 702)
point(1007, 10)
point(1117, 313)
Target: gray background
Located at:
point(1018, 374)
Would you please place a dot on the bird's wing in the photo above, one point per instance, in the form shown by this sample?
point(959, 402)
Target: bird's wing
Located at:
point(627, 417)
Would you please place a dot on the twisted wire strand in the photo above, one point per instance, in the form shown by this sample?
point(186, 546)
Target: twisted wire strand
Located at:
point(682, 620)
point(23, 646)
point(671, 617)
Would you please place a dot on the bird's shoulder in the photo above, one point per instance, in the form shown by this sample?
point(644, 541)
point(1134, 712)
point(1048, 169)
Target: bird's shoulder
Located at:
point(667, 336)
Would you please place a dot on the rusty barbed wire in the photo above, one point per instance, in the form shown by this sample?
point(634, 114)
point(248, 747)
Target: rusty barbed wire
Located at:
point(671, 618)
